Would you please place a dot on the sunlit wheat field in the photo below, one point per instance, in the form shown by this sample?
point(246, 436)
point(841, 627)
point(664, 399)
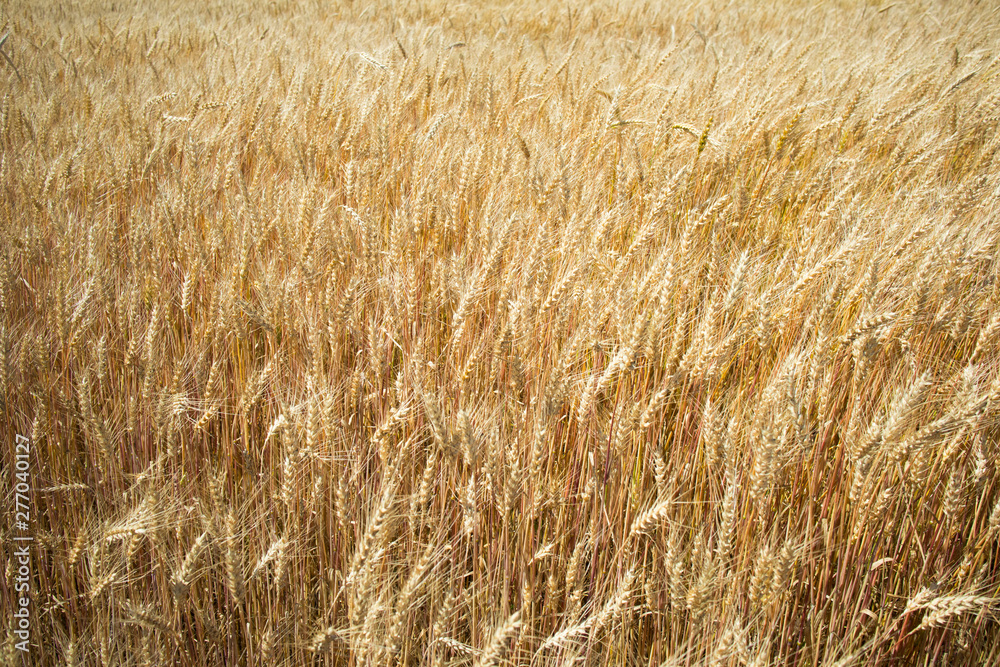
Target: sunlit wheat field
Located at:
point(535, 334)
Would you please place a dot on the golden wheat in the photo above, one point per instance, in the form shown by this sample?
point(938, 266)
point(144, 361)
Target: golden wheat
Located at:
point(503, 334)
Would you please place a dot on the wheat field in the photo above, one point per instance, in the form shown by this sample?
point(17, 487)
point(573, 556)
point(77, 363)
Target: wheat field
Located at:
point(440, 333)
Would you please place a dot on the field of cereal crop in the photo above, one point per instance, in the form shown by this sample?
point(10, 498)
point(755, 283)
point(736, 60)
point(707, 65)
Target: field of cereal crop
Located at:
point(439, 333)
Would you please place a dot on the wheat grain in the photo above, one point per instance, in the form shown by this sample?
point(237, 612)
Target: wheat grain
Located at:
point(532, 344)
